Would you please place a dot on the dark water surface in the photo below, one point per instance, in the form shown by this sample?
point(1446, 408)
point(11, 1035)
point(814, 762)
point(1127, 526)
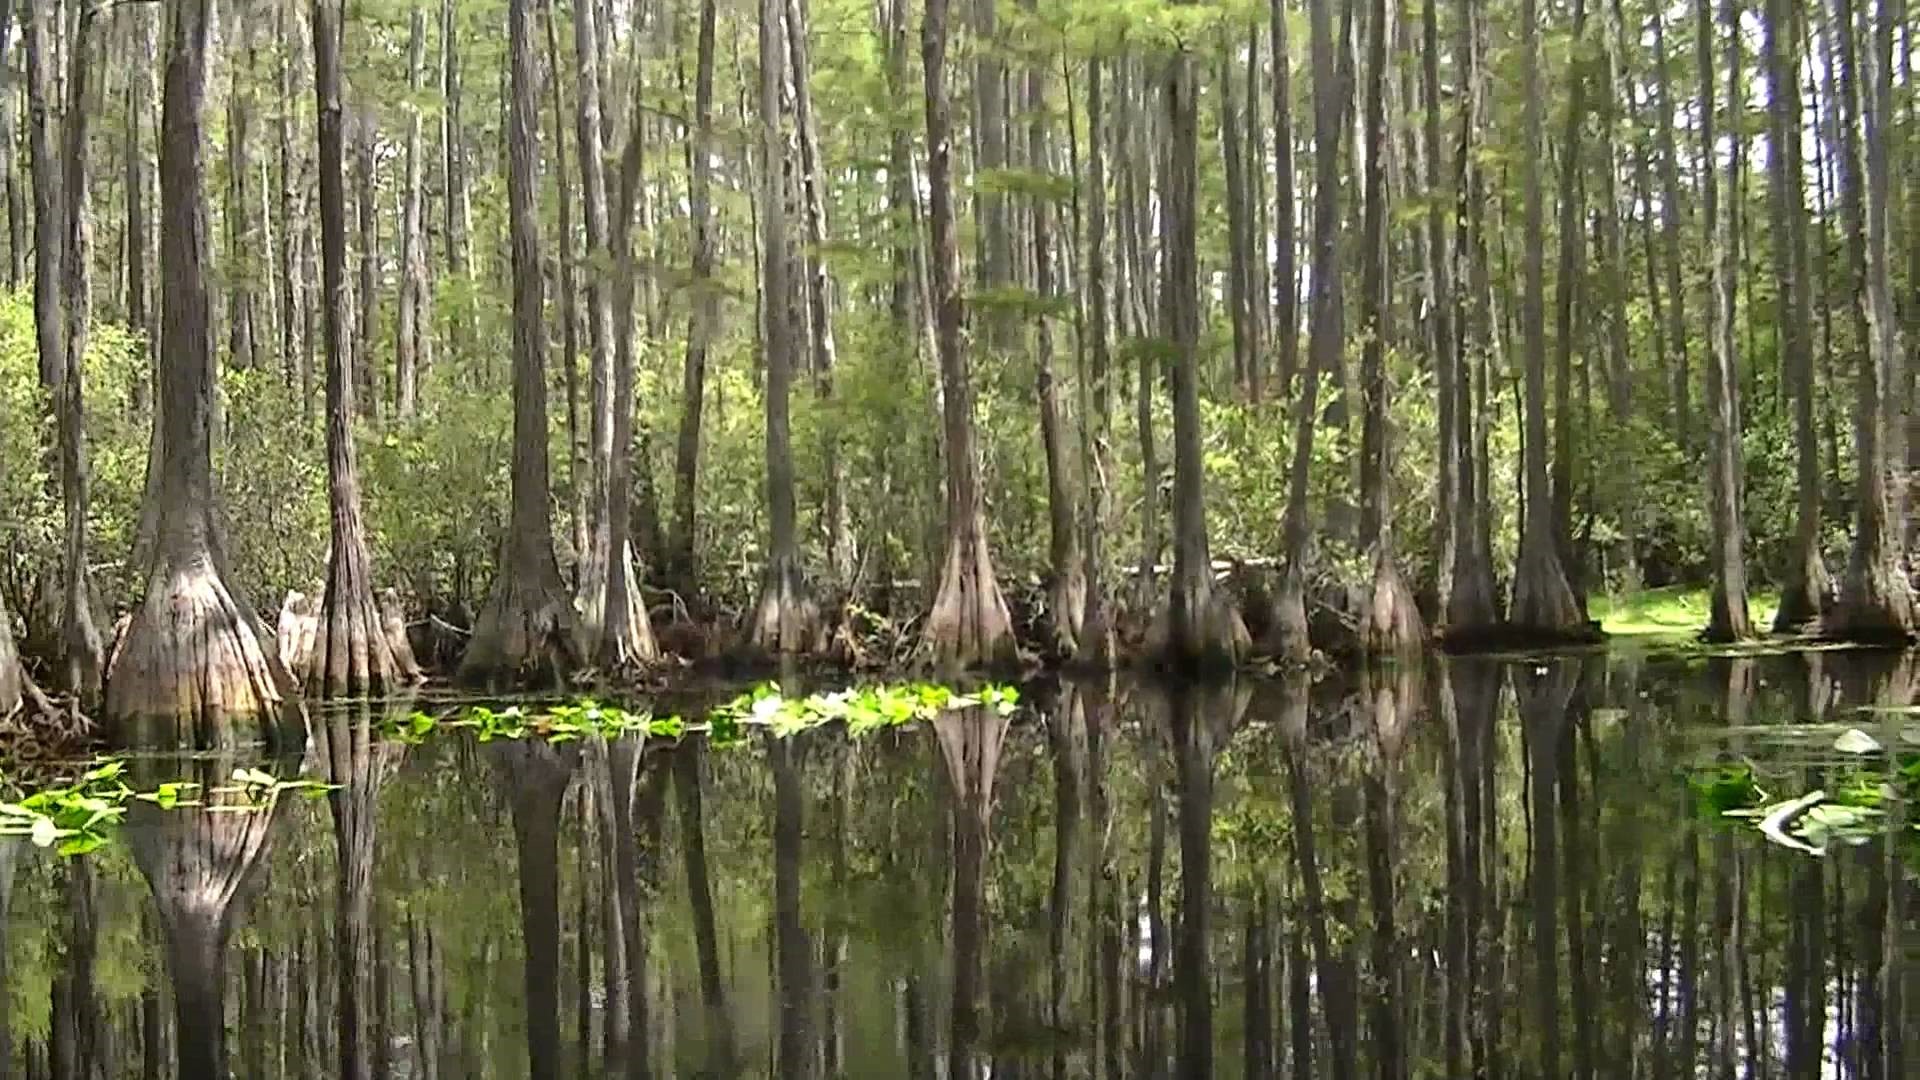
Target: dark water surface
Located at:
point(1476, 869)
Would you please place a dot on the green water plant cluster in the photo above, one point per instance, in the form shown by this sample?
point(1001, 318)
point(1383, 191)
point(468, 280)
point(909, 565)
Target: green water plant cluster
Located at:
point(79, 814)
point(862, 709)
point(1868, 792)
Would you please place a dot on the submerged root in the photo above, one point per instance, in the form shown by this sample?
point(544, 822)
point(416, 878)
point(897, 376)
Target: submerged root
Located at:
point(1097, 650)
point(1199, 630)
point(970, 624)
point(192, 658)
point(393, 623)
point(617, 629)
point(1876, 605)
point(1806, 600)
point(1392, 621)
point(1284, 635)
point(1066, 613)
point(1544, 607)
point(786, 619)
point(525, 635)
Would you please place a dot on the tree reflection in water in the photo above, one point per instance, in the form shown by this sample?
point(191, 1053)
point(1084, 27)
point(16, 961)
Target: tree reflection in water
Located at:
point(1468, 869)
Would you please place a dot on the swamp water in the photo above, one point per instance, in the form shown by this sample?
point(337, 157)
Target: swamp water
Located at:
point(1477, 868)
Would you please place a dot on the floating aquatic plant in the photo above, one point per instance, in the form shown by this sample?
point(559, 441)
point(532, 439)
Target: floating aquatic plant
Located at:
point(862, 709)
point(1869, 791)
point(78, 816)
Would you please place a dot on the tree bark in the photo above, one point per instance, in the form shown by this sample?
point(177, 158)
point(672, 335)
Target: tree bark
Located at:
point(413, 321)
point(626, 638)
point(17, 245)
point(526, 631)
point(1096, 383)
point(1876, 601)
point(1728, 619)
point(296, 348)
point(785, 618)
point(365, 383)
point(1543, 602)
point(62, 302)
point(842, 557)
point(456, 211)
point(969, 623)
point(1239, 224)
point(243, 339)
point(1570, 301)
point(192, 653)
point(1287, 633)
point(1067, 574)
point(1286, 316)
point(354, 656)
point(1671, 210)
point(1202, 627)
point(1393, 622)
point(683, 555)
point(1807, 592)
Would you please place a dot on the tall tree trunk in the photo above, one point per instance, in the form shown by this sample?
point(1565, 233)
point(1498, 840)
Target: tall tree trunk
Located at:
point(456, 211)
point(413, 321)
point(785, 618)
point(296, 356)
point(841, 554)
point(49, 214)
point(1393, 622)
point(703, 319)
point(995, 269)
point(63, 228)
point(1671, 210)
point(1728, 619)
point(17, 244)
point(1286, 318)
point(1288, 623)
point(241, 269)
point(1471, 601)
point(1570, 302)
point(1543, 602)
point(1067, 574)
point(192, 652)
point(354, 656)
point(526, 631)
point(1876, 601)
point(364, 379)
point(591, 588)
point(1807, 592)
point(969, 623)
point(627, 637)
point(1239, 228)
point(1202, 627)
point(1096, 393)
point(565, 273)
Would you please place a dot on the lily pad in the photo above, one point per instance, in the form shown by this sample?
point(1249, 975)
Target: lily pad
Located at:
point(1855, 741)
